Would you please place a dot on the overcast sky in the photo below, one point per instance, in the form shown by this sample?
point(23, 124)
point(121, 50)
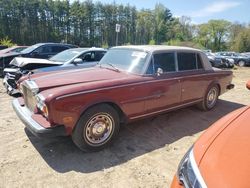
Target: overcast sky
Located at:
point(199, 10)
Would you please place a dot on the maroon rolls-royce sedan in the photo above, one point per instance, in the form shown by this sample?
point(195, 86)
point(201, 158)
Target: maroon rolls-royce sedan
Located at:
point(131, 82)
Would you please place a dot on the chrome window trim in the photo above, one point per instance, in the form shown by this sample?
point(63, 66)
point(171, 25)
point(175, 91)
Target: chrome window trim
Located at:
point(196, 170)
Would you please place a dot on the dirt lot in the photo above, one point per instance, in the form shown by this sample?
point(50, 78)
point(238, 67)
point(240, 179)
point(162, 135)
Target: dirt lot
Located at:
point(146, 154)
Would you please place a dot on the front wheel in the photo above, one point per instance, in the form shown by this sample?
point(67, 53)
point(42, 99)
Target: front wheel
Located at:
point(210, 98)
point(96, 128)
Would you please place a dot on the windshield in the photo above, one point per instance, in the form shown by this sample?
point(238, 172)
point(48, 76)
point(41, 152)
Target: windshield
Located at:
point(130, 60)
point(30, 49)
point(66, 55)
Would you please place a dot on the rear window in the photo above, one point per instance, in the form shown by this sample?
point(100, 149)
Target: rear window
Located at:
point(189, 61)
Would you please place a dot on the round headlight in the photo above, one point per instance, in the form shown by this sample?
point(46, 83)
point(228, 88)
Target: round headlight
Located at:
point(41, 105)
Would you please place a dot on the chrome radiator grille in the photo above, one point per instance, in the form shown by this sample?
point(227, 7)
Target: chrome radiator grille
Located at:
point(29, 98)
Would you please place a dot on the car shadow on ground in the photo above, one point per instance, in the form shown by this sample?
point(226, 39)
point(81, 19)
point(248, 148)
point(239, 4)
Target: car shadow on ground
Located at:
point(135, 139)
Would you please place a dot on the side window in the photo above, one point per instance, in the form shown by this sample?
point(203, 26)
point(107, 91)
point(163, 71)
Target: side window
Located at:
point(99, 55)
point(88, 57)
point(165, 61)
point(47, 49)
point(43, 50)
point(186, 61)
point(57, 49)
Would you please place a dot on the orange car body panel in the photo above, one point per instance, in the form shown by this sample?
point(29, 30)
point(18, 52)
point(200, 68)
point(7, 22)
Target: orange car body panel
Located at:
point(222, 153)
point(248, 84)
point(175, 183)
point(226, 162)
point(208, 137)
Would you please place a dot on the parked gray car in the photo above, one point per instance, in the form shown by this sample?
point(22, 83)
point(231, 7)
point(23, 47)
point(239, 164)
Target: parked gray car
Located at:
point(220, 61)
point(74, 58)
point(240, 60)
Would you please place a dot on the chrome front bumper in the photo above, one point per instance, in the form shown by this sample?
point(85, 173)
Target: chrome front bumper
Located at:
point(34, 127)
point(10, 90)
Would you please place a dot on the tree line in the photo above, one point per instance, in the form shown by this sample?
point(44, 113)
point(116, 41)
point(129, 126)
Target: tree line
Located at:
point(86, 23)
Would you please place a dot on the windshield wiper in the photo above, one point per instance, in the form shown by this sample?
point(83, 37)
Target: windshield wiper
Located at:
point(111, 65)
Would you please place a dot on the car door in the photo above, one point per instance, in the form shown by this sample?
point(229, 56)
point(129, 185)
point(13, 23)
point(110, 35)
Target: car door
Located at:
point(193, 77)
point(164, 91)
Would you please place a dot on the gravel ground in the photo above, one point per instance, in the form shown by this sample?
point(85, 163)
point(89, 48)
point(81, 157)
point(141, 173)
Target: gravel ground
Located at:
point(146, 154)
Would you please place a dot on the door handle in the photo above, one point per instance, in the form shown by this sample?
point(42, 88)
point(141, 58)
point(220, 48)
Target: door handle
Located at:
point(158, 95)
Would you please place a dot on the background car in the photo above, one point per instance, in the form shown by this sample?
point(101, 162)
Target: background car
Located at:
point(13, 49)
point(246, 54)
point(40, 50)
point(74, 58)
point(220, 157)
point(241, 60)
point(3, 47)
point(219, 61)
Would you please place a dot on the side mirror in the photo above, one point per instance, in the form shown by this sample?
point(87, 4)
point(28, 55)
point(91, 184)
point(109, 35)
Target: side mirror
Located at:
point(77, 61)
point(159, 72)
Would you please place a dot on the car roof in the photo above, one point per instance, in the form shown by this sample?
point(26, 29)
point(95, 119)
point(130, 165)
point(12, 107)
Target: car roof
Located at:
point(153, 48)
point(53, 43)
point(86, 49)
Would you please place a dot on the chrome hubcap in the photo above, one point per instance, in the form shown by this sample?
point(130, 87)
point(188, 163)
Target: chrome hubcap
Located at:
point(99, 129)
point(212, 97)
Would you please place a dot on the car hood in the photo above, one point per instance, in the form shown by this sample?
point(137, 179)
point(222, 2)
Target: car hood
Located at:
point(66, 66)
point(69, 77)
point(10, 54)
point(225, 161)
point(22, 61)
point(5, 52)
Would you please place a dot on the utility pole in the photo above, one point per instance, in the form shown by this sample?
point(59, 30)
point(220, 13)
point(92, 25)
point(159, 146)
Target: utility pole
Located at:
point(117, 30)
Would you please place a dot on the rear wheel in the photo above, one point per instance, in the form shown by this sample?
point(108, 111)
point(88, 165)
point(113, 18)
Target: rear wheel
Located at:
point(97, 128)
point(241, 63)
point(210, 98)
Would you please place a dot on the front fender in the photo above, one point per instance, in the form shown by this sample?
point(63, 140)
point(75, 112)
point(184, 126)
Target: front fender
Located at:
point(67, 111)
